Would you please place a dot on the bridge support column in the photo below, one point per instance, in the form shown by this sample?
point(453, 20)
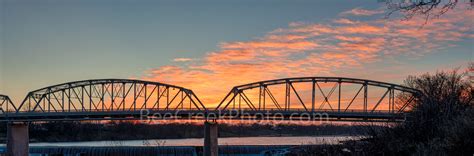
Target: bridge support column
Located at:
point(211, 147)
point(17, 139)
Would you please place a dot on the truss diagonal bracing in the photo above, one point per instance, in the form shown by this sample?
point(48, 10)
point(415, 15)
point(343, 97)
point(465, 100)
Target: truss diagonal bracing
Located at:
point(105, 95)
point(356, 98)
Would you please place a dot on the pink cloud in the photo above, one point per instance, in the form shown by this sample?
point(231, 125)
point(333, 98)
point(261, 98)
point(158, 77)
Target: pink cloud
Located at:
point(345, 21)
point(313, 49)
point(182, 59)
point(362, 12)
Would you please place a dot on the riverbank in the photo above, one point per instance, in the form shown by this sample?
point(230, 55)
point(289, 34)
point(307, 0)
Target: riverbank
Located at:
point(261, 150)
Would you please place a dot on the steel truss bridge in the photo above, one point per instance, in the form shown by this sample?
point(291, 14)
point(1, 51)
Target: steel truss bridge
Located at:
point(124, 99)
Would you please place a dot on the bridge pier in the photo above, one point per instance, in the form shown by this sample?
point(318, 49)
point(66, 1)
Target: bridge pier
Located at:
point(211, 146)
point(17, 139)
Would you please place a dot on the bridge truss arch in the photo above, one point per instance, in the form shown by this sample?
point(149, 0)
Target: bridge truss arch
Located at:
point(118, 99)
point(109, 95)
point(264, 98)
point(6, 104)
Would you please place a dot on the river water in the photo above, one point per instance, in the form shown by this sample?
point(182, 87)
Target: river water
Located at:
point(286, 140)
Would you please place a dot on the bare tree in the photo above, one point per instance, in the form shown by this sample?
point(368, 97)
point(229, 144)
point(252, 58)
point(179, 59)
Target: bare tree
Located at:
point(441, 121)
point(426, 8)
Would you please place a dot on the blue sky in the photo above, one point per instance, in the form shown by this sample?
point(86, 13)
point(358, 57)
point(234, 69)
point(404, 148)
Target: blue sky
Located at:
point(54, 41)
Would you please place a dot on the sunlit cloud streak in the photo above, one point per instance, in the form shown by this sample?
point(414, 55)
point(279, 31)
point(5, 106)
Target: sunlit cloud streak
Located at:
point(362, 12)
point(314, 49)
point(182, 59)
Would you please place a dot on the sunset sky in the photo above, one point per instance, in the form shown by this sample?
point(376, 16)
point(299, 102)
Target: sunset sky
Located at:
point(210, 46)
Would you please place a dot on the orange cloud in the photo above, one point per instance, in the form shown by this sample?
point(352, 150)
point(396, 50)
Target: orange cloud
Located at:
point(362, 29)
point(345, 21)
point(349, 38)
point(313, 49)
point(182, 59)
point(269, 45)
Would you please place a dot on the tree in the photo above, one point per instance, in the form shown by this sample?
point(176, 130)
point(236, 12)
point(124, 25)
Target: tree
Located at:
point(427, 8)
point(441, 121)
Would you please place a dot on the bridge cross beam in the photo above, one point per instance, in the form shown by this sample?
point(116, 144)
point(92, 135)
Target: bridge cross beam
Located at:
point(326, 97)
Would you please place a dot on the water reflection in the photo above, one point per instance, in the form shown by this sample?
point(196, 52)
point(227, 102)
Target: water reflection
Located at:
point(296, 140)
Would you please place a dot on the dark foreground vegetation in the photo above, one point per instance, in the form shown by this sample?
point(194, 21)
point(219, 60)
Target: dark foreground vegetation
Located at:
point(125, 130)
point(441, 122)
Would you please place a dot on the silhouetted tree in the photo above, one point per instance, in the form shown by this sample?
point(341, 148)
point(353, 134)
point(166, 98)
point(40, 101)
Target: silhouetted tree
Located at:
point(426, 8)
point(441, 121)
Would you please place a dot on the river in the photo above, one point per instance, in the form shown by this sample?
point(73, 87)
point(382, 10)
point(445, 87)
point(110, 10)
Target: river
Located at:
point(286, 140)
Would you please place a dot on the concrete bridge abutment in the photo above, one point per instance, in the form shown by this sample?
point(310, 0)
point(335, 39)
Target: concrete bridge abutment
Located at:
point(211, 146)
point(17, 139)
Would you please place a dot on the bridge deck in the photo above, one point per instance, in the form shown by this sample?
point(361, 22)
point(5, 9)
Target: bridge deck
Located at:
point(150, 114)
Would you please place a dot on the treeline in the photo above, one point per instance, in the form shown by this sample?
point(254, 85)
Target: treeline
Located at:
point(441, 121)
point(65, 131)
